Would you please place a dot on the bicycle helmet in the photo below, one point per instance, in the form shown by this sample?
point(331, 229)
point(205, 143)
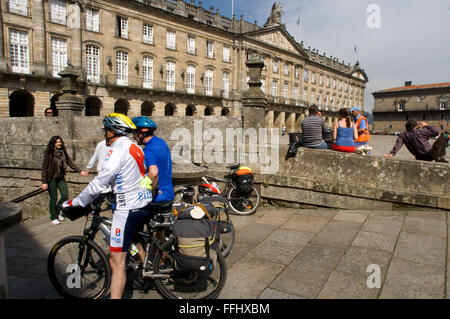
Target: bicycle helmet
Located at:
point(144, 122)
point(119, 123)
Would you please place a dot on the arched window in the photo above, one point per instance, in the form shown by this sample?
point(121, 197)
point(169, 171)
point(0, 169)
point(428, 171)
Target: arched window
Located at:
point(190, 79)
point(92, 106)
point(147, 108)
point(121, 106)
point(209, 111)
point(225, 112)
point(170, 76)
point(169, 110)
point(53, 100)
point(209, 82)
point(122, 67)
point(190, 110)
point(93, 63)
point(147, 72)
point(21, 104)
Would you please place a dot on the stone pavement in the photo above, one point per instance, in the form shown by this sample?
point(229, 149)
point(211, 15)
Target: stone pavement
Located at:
point(283, 253)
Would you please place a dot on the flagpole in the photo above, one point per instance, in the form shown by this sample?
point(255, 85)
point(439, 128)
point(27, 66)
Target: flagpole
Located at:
point(232, 8)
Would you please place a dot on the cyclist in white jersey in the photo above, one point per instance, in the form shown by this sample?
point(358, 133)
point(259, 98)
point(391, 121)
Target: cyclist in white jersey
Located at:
point(123, 169)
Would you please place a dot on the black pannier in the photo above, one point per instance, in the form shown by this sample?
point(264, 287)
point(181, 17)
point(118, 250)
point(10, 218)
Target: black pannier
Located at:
point(193, 244)
point(244, 183)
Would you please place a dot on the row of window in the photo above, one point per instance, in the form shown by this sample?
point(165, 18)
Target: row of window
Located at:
point(295, 95)
point(19, 54)
point(307, 76)
point(401, 106)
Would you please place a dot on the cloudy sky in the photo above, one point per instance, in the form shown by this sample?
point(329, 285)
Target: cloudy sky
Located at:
point(412, 43)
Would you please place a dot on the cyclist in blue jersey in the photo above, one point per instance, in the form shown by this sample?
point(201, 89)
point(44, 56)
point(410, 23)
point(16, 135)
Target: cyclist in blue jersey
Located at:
point(158, 160)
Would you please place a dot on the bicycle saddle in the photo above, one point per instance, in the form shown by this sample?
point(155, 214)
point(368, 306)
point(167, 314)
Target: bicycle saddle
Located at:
point(234, 166)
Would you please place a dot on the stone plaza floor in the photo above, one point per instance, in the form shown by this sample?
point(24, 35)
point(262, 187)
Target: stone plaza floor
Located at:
point(286, 253)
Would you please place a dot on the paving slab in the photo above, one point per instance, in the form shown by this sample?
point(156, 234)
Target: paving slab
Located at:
point(306, 223)
point(249, 278)
point(309, 271)
point(285, 254)
point(410, 280)
point(352, 216)
point(337, 233)
point(428, 226)
point(379, 241)
point(377, 224)
point(343, 285)
point(420, 248)
point(357, 259)
point(275, 294)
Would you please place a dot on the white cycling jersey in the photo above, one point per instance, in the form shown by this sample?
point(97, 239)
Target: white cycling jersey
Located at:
point(123, 169)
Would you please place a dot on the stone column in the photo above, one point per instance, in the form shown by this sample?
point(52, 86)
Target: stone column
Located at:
point(254, 102)
point(74, 23)
point(39, 38)
point(10, 214)
point(69, 103)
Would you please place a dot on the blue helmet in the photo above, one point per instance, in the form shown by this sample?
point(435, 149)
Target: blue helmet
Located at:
point(144, 122)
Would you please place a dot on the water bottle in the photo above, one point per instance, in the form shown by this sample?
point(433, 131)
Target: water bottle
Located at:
point(133, 250)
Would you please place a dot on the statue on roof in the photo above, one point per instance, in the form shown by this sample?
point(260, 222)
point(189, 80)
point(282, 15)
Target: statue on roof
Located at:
point(275, 16)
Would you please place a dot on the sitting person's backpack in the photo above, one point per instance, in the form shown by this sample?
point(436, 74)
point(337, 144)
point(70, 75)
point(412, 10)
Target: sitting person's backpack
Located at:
point(295, 141)
point(244, 180)
point(195, 233)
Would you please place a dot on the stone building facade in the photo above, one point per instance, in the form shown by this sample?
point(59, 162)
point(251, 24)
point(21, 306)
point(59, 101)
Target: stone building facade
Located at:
point(429, 103)
point(162, 58)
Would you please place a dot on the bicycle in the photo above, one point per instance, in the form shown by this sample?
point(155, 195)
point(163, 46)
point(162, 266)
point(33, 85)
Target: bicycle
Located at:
point(241, 202)
point(78, 267)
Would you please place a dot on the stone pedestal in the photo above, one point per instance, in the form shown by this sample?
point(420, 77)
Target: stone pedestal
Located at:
point(69, 103)
point(10, 214)
point(254, 102)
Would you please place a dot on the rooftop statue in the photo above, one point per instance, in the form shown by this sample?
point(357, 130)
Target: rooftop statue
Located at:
point(275, 16)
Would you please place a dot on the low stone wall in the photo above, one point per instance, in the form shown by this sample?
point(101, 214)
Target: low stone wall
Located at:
point(315, 177)
point(23, 141)
point(350, 181)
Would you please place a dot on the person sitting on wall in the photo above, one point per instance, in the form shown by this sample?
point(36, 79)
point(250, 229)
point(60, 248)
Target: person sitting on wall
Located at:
point(314, 129)
point(362, 126)
point(416, 140)
point(344, 133)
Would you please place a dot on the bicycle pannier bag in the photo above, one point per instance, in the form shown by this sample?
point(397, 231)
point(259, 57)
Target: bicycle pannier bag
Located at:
point(244, 183)
point(193, 249)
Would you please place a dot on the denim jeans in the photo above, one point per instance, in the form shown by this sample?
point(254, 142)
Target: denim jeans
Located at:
point(322, 146)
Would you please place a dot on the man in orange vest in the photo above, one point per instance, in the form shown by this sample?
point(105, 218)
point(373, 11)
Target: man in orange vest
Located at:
point(362, 125)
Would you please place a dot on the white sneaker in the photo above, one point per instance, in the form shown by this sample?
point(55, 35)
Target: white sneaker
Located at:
point(60, 217)
point(56, 222)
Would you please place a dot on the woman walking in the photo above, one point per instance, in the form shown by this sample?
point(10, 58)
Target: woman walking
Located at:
point(344, 133)
point(54, 168)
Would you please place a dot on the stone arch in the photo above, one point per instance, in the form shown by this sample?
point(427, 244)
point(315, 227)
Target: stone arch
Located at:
point(21, 104)
point(225, 111)
point(191, 110)
point(92, 106)
point(209, 110)
point(147, 108)
point(121, 106)
point(170, 109)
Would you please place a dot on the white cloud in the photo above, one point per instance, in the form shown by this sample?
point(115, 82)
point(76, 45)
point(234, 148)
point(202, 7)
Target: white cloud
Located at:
point(411, 45)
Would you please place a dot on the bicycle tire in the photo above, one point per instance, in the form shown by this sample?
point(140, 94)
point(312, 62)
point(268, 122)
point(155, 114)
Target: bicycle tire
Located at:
point(60, 273)
point(239, 204)
point(191, 285)
point(226, 239)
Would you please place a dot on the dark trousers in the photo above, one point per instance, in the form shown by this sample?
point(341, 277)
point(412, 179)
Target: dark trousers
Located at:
point(61, 185)
point(437, 150)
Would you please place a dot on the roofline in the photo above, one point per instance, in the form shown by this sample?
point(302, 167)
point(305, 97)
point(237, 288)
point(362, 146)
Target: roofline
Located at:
point(415, 88)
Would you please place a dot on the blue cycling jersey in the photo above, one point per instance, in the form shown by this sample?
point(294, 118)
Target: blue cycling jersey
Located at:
point(157, 153)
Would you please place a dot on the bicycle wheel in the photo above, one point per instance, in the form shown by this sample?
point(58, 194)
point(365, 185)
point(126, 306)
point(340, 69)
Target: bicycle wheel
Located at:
point(192, 285)
point(243, 204)
point(78, 268)
point(226, 231)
